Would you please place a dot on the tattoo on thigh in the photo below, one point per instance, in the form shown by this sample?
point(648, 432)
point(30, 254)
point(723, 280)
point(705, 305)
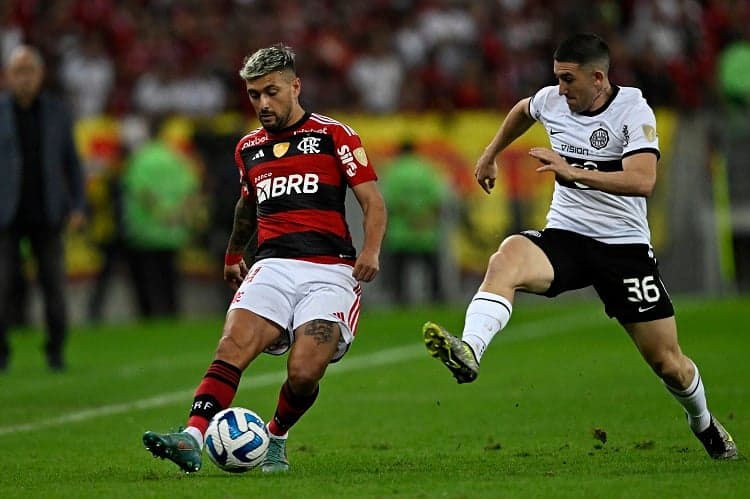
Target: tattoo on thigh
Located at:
point(321, 330)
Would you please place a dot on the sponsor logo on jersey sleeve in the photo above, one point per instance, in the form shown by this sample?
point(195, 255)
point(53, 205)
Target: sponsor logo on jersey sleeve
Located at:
point(649, 132)
point(347, 159)
point(361, 156)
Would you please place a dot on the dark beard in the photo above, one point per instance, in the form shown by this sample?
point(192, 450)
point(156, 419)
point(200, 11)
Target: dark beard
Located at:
point(278, 126)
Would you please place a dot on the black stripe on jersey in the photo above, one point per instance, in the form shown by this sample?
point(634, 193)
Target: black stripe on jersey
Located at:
point(301, 144)
point(614, 165)
point(327, 197)
point(306, 244)
point(645, 149)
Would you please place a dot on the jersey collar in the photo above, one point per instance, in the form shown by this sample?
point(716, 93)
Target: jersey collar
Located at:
point(290, 128)
point(615, 91)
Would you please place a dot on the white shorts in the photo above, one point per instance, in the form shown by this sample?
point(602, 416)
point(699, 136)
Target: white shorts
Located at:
point(293, 292)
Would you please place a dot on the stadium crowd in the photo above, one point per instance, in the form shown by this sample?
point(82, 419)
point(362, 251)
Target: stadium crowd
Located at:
point(380, 56)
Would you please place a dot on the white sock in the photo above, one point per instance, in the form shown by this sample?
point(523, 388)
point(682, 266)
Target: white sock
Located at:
point(196, 434)
point(693, 400)
point(487, 314)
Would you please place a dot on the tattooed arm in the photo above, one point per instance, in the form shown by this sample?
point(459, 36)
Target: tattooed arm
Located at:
point(244, 234)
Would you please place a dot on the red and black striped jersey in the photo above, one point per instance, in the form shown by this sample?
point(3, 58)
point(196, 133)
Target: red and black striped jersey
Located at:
point(298, 179)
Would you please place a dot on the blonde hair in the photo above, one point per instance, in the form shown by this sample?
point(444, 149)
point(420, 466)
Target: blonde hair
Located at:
point(277, 57)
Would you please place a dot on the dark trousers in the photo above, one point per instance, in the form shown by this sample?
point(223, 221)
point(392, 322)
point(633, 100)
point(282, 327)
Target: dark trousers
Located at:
point(155, 281)
point(114, 254)
point(401, 263)
point(48, 250)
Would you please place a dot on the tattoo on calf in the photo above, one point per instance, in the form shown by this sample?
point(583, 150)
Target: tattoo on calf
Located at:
point(321, 330)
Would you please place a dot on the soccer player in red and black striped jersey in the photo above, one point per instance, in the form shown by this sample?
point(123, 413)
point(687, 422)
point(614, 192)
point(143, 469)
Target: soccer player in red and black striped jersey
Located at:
point(301, 294)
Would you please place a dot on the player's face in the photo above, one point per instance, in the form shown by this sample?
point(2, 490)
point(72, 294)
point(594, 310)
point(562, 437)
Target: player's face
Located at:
point(579, 85)
point(275, 98)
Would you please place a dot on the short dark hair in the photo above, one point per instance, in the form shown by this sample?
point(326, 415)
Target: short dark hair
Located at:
point(277, 57)
point(583, 49)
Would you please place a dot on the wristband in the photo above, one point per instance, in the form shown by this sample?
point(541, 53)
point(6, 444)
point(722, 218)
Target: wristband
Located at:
point(232, 258)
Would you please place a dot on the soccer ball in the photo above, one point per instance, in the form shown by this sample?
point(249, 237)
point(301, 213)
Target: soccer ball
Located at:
point(236, 440)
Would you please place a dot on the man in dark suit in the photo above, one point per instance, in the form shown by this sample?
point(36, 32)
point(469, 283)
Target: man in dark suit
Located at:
point(41, 193)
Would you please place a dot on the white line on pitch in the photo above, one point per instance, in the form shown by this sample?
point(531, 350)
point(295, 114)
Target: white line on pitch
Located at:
point(522, 332)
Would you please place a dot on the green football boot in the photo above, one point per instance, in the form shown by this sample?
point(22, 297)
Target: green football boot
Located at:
point(180, 448)
point(454, 353)
point(275, 460)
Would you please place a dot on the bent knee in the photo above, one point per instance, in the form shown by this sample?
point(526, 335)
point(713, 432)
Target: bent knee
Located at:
point(304, 379)
point(519, 264)
point(671, 369)
point(508, 256)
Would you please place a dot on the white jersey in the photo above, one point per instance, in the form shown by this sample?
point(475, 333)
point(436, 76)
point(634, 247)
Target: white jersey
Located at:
point(598, 140)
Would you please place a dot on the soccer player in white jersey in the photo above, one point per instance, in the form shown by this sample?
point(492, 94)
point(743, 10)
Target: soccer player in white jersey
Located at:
point(301, 292)
point(604, 154)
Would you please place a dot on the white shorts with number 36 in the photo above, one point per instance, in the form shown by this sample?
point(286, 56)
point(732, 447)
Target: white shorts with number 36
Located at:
point(293, 292)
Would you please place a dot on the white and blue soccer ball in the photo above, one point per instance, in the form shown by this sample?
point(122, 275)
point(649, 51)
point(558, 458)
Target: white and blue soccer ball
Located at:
point(236, 440)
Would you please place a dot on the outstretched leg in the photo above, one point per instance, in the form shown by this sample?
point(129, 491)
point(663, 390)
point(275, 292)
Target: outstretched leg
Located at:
point(657, 342)
point(518, 264)
point(245, 336)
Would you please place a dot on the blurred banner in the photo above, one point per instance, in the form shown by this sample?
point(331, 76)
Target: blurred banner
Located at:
point(451, 141)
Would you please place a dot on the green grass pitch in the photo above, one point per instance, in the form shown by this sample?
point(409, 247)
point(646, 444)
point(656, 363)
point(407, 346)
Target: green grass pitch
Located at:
point(390, 421)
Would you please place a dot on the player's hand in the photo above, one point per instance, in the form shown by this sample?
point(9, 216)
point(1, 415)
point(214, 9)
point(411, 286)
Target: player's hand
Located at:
point(553, 162)
point(235, 274)
point(485, 172)
point(366, 267)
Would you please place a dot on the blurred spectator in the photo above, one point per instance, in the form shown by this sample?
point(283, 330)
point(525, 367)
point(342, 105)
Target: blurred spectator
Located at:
point(158, 187)
point(11, 34)
point(87, 75)
point(172, 88)
point(18, 303)
point(733, 133)
point(450, 31)
point(377, 75)
point(105, 231)
point(734, 78)
point(172, 56)
point(222, 183)
point(416, 194)
point(42, 192)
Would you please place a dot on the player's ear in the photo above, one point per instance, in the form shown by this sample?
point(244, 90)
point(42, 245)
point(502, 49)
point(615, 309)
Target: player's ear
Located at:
point(599, 77)
point(296, 86)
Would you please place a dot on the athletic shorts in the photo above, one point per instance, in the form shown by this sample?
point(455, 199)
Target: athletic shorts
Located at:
point(625, 276)
point(293, 292)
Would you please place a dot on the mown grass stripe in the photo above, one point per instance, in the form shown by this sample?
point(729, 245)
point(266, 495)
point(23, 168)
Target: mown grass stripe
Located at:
point(522, 332)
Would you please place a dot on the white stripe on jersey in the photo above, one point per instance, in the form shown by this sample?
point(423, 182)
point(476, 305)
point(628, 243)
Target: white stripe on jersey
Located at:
point(325, 120)
point(625, 126)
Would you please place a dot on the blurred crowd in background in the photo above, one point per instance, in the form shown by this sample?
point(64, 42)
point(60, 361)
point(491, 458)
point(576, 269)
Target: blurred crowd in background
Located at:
point(380, 56)
point(137, 62)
